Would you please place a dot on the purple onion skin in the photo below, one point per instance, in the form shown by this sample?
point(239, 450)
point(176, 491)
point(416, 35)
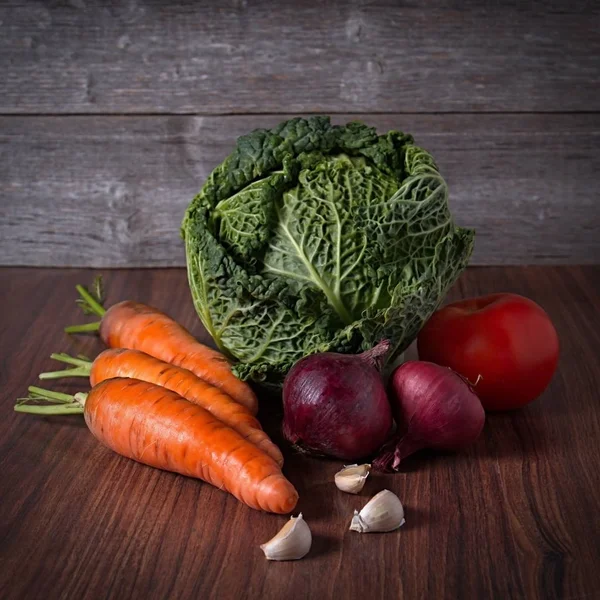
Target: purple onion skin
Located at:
point(433, 407)
point(336, 404)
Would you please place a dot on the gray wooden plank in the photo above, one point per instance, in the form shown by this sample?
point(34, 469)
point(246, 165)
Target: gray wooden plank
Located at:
point(111, 191)
point(239, 56)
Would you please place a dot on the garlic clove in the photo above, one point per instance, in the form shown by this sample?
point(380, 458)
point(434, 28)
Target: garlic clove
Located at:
point(384, 512)
point(352, 478)
point(291, 543)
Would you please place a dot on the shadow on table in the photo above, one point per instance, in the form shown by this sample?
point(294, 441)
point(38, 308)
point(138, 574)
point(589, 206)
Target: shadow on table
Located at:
point(324, 544)
point(76, 421)
point(417, 517)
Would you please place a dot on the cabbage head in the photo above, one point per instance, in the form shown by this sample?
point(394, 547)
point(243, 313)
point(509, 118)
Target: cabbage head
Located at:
point(311, 237)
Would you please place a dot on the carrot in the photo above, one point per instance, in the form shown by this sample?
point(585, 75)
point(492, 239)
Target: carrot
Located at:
point(120, 362)
point(158, 427)
point(140, 327)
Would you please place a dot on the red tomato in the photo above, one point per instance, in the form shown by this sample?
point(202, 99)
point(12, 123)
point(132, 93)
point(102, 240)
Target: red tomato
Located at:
point(506, 341)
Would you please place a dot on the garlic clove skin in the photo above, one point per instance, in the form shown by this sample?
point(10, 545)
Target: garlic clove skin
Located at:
point(291, 543)
point(352, 478)
point(384, 512)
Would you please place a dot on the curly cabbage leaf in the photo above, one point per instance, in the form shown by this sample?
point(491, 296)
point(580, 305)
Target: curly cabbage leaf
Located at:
point(311, 237)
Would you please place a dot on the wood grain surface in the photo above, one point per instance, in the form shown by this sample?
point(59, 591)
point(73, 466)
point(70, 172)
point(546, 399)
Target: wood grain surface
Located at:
point(514, 516)
point(239, 56)
point(113, 114)
point(111, 191)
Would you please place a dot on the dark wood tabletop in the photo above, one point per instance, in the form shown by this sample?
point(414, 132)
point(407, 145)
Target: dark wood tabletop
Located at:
point(517, 515)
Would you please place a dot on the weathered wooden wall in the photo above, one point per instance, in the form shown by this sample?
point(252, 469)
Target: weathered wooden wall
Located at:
point(113, 113)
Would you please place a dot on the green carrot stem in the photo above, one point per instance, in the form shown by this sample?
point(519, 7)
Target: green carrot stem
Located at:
point(83, 367)
point(81, 397)
point(70, 360)
point(74, 372)
point(64, 404)
point(86, 327)
point(91, 302)
point(73, 408)
point(38, 392)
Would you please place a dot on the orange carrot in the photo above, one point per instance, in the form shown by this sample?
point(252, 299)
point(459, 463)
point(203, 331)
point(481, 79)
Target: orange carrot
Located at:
point(158, 427)
point(120, 362)
point(141, 327)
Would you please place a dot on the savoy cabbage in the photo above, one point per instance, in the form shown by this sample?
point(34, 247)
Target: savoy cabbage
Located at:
point(311, 237)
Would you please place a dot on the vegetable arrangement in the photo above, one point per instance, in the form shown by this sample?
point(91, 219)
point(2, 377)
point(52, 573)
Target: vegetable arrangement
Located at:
point(315, 255)
point(164, 415)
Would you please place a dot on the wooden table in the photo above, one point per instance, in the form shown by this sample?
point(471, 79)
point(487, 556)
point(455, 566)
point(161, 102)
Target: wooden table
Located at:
point(515, 516)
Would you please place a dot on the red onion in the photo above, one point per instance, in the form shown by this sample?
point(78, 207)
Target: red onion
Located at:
point(434, 407)
point(336, 404)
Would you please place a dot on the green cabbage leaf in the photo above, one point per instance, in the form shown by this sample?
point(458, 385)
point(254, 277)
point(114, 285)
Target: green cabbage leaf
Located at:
point(311, 237)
